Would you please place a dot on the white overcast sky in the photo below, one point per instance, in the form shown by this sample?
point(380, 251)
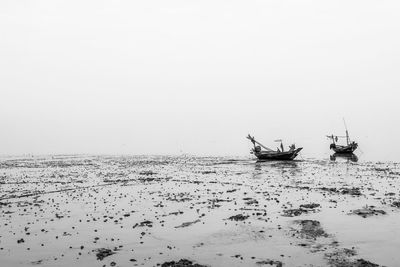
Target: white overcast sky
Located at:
point(171, 77)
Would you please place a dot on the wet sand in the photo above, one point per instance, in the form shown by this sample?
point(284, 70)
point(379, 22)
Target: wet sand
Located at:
point(188, 211)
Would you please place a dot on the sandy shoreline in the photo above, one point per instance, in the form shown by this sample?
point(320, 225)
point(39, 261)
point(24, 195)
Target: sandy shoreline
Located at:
point(149, 211)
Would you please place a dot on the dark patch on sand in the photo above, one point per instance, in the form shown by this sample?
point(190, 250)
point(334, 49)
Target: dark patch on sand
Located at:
point(187, 224)
point(368, 211)
point(294, 212)
point(354, 191)
point(304, 208)
point(311, 229)
point(270, 262)
point(351, 191)
point(238, 217)
point(38, 262)
point(396, 204)
point(310, 206)
point(102, 253)
point(181, 263)
point(343, 258)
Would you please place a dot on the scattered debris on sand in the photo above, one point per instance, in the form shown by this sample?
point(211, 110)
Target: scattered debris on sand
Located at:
point(38, 262)
point(294, 212)
point(304, 208)
point(147, 173)
point(310, 206)
point(208, 172)
point(396, 204)
point(311, 229)
point(181, 263)
point(250, 201)
point(351, 191)
point(354, 191)
point(238, 217)
point(145, 223)
point(368, 211)
point(102, 253)
point(364, 263)
point(345, 258)
point(187, 224)
point(71, 209)
point(273, 263)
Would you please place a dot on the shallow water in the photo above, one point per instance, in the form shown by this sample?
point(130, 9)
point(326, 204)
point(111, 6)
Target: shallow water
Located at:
point(60, 210)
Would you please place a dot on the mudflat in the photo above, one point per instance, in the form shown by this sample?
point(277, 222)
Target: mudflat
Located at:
point(197, 211)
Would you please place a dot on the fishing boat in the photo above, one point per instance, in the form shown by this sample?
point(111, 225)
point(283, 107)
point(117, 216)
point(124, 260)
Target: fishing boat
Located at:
point(342, 149)
point(269, 154)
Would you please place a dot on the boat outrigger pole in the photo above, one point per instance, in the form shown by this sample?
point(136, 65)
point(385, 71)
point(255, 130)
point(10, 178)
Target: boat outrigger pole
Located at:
point(258, 143)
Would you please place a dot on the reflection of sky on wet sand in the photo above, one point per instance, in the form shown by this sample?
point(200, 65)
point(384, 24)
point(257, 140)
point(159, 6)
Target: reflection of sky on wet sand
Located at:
point(158, 209)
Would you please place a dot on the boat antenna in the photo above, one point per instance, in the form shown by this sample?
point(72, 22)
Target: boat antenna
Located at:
point(347, 132)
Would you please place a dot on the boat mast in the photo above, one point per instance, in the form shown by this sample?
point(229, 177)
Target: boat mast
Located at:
point(280, 140)
point(347, 132)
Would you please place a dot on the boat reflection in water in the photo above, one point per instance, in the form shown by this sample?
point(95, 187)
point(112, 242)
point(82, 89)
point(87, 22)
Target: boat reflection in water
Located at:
point(349, 157)
point(285, 168)
point(286, 165)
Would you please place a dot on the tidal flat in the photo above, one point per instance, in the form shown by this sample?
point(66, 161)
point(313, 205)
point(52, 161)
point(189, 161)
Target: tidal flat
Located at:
point(197, 211)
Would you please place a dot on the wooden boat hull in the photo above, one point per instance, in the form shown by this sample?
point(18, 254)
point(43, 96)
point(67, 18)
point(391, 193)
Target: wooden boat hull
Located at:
point(288, 155)
point(344, 149)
